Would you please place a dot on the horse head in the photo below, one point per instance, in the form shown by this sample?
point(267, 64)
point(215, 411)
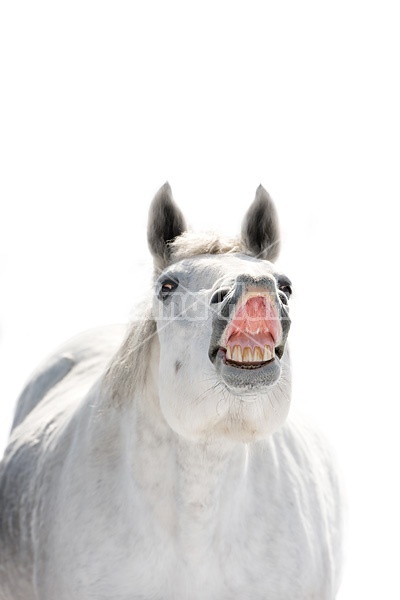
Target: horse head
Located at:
point(221, 308)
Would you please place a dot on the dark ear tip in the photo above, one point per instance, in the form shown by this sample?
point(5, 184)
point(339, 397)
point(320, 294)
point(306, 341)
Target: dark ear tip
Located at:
point(164, 192)
point(166, 188)
point(262, 194)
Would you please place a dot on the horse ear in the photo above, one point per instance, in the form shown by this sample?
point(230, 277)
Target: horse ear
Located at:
point(165, 223)
point(260, 228)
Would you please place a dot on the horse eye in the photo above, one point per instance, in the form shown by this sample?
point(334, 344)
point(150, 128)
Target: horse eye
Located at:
point(167, 287)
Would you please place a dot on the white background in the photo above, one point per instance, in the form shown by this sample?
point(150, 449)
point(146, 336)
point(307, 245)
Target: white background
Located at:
point(101, 102)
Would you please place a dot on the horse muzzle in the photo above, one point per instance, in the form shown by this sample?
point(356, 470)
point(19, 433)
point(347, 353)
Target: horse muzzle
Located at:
point(250, 329)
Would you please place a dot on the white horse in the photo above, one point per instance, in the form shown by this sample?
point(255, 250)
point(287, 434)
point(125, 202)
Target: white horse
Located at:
point(165, 467)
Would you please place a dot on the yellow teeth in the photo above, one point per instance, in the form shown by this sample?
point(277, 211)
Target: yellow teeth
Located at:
point(268, 353)
point(258, 354)
point(237, 354)
point(248, 355)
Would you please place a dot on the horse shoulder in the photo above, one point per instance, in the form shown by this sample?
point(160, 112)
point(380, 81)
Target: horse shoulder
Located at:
point(38, 445)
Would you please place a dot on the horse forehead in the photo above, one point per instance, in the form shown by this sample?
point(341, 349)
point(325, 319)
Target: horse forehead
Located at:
point(208, 268)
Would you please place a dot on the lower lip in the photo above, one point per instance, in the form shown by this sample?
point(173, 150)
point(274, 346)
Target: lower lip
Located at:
point(242, 379)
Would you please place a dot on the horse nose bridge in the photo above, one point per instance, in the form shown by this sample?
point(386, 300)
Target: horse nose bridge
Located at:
point(248, 283)
point(231, 294)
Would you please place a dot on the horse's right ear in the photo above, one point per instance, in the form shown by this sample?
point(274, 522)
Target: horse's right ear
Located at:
point(166, 222)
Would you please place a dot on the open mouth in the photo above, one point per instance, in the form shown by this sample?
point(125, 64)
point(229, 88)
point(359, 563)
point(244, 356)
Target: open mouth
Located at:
point(247, 346)
point(250, 339)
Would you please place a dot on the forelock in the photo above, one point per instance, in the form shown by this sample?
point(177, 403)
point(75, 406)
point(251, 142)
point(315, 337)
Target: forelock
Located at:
point(193, 244)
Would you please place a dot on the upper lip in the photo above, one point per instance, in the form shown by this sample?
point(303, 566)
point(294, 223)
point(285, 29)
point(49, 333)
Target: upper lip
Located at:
point(250, 336)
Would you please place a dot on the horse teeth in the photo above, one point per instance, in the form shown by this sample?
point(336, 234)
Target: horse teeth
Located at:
point(237, 354)
point(247, 355)
point(268, 353)
point(258, 354)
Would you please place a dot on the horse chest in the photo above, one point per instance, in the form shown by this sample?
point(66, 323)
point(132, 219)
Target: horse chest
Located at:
point(254, 557)
point(130, 544)
point(228, 569)
point(254, 554)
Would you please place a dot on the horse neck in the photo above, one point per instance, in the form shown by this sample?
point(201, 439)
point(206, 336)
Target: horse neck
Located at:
point(190, 488)
point(187, 483)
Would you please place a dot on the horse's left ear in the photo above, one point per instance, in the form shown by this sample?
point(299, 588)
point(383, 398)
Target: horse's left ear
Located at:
point(260, 228)
point(165, 223)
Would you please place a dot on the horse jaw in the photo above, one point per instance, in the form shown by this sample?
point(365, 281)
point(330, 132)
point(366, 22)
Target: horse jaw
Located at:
point(210, 411)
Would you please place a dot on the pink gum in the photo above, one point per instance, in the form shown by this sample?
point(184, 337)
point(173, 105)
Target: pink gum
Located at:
point(255, 323)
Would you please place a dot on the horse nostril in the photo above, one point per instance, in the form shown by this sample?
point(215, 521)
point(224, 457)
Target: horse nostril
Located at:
point(219, 296)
